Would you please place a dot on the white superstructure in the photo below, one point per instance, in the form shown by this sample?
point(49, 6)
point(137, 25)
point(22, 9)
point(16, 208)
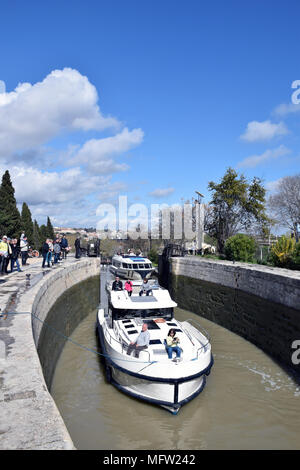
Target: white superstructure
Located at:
point(152, 376)
point(131, 266)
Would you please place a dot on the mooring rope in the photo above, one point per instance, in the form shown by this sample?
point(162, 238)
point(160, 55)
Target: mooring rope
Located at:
point(67, 338)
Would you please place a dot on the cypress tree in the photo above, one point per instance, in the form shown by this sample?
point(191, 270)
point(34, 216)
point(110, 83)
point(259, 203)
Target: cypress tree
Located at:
point(27, 224)
point(10, 219)
point(50, 231)
point(43, 233)
point(36, 237)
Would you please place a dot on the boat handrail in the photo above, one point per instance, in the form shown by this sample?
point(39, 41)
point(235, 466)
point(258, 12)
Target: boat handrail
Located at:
point(123, 344)
point(200, 329)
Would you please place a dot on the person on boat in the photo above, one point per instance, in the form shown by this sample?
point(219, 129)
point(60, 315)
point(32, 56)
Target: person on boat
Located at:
point(117, 284)
point(128, 287)
point(172, 344)
point(142, 342)
point(145, 288)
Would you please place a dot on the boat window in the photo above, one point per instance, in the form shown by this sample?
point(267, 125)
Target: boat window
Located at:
point(129, 266)
point(148, 266)
point(141, 266)
point(121, 314)
point(125, 265)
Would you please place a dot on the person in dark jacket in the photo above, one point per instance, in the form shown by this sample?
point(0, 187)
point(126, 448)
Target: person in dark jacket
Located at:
point(117, 284)
point(15, 251)
point(77, 247)
point(45, 251)
point(64, 246)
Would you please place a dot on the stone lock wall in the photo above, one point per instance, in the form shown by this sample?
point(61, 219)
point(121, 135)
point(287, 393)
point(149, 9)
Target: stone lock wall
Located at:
point(259, 303)
point(29, 418)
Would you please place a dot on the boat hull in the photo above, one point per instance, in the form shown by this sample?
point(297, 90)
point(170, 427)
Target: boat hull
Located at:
point(169, 393)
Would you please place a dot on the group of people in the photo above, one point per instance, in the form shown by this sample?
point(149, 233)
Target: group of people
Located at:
point(145, 287)
point(10, 251)
point(54, 251)
point(143, 340)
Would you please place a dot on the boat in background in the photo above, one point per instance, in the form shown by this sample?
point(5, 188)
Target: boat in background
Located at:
point(131, 266)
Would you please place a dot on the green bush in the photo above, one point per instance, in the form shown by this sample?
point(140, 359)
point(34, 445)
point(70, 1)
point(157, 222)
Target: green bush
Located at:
point(153, 256)
point(295, 261)
point(240, 247)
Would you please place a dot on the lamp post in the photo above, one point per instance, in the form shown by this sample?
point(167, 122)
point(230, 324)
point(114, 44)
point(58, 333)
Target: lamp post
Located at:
point(199, 208)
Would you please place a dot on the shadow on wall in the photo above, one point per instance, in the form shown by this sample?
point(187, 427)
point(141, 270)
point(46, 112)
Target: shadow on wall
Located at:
point(270, 326)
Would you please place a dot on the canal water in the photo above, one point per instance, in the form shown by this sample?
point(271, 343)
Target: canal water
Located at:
point(249, 402)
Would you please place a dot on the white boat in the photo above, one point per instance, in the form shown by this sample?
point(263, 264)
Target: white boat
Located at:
point(152, 376)
point(131, 266)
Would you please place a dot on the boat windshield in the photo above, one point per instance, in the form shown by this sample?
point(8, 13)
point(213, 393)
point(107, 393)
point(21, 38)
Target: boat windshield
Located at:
point(120, 314)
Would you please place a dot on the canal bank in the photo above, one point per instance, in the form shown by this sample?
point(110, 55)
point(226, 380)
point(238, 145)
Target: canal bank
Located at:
point(30, 343)
point(259, 303)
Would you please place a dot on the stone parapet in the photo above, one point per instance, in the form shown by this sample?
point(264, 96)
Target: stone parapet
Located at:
point(29, 418)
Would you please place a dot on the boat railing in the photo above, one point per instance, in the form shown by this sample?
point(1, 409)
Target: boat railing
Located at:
point(122, 343)
point(200, 329)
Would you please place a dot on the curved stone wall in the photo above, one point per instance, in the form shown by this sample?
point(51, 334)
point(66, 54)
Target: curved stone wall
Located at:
point(29, 416)
point(261, 304)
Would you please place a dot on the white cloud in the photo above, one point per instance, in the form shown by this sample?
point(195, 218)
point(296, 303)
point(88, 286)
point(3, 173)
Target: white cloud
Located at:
point(33, 114)
point(272, 185)
point(285, 109)
point(267, 156)
point(96, 154)
point(162, 192)
point(77, 176)
point(261, 131)
point(43, 187)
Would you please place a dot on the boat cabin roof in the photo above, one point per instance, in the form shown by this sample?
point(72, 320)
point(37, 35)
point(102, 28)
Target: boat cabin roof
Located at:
point(131, 258)
point(160, 298)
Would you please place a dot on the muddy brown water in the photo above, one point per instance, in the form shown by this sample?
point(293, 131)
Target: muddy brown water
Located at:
point(249, 402)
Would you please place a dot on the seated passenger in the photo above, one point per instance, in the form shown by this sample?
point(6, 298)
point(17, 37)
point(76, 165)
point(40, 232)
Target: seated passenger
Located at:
point(117, 284)
point(141, 343)
point(172, 344)
point(145, 288)
point(128, 287)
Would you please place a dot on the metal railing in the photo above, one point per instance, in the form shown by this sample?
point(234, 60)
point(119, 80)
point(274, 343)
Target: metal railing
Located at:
point(122, 343)
point(200, 329)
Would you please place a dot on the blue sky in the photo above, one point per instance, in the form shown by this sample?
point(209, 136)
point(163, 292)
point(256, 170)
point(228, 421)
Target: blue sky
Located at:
point(149, 99)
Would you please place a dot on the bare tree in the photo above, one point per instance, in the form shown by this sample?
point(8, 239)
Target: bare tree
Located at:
point(284, 204)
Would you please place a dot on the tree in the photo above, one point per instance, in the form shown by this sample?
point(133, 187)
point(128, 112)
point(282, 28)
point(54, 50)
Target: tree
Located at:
point(50, 231)
point(10, 220)
point(26, 222)
point(236, 205)
point(43, 233)
point(36, 237)
point(285, 203)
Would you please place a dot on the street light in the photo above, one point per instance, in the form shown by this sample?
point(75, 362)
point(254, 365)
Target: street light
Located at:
point(199, 221)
